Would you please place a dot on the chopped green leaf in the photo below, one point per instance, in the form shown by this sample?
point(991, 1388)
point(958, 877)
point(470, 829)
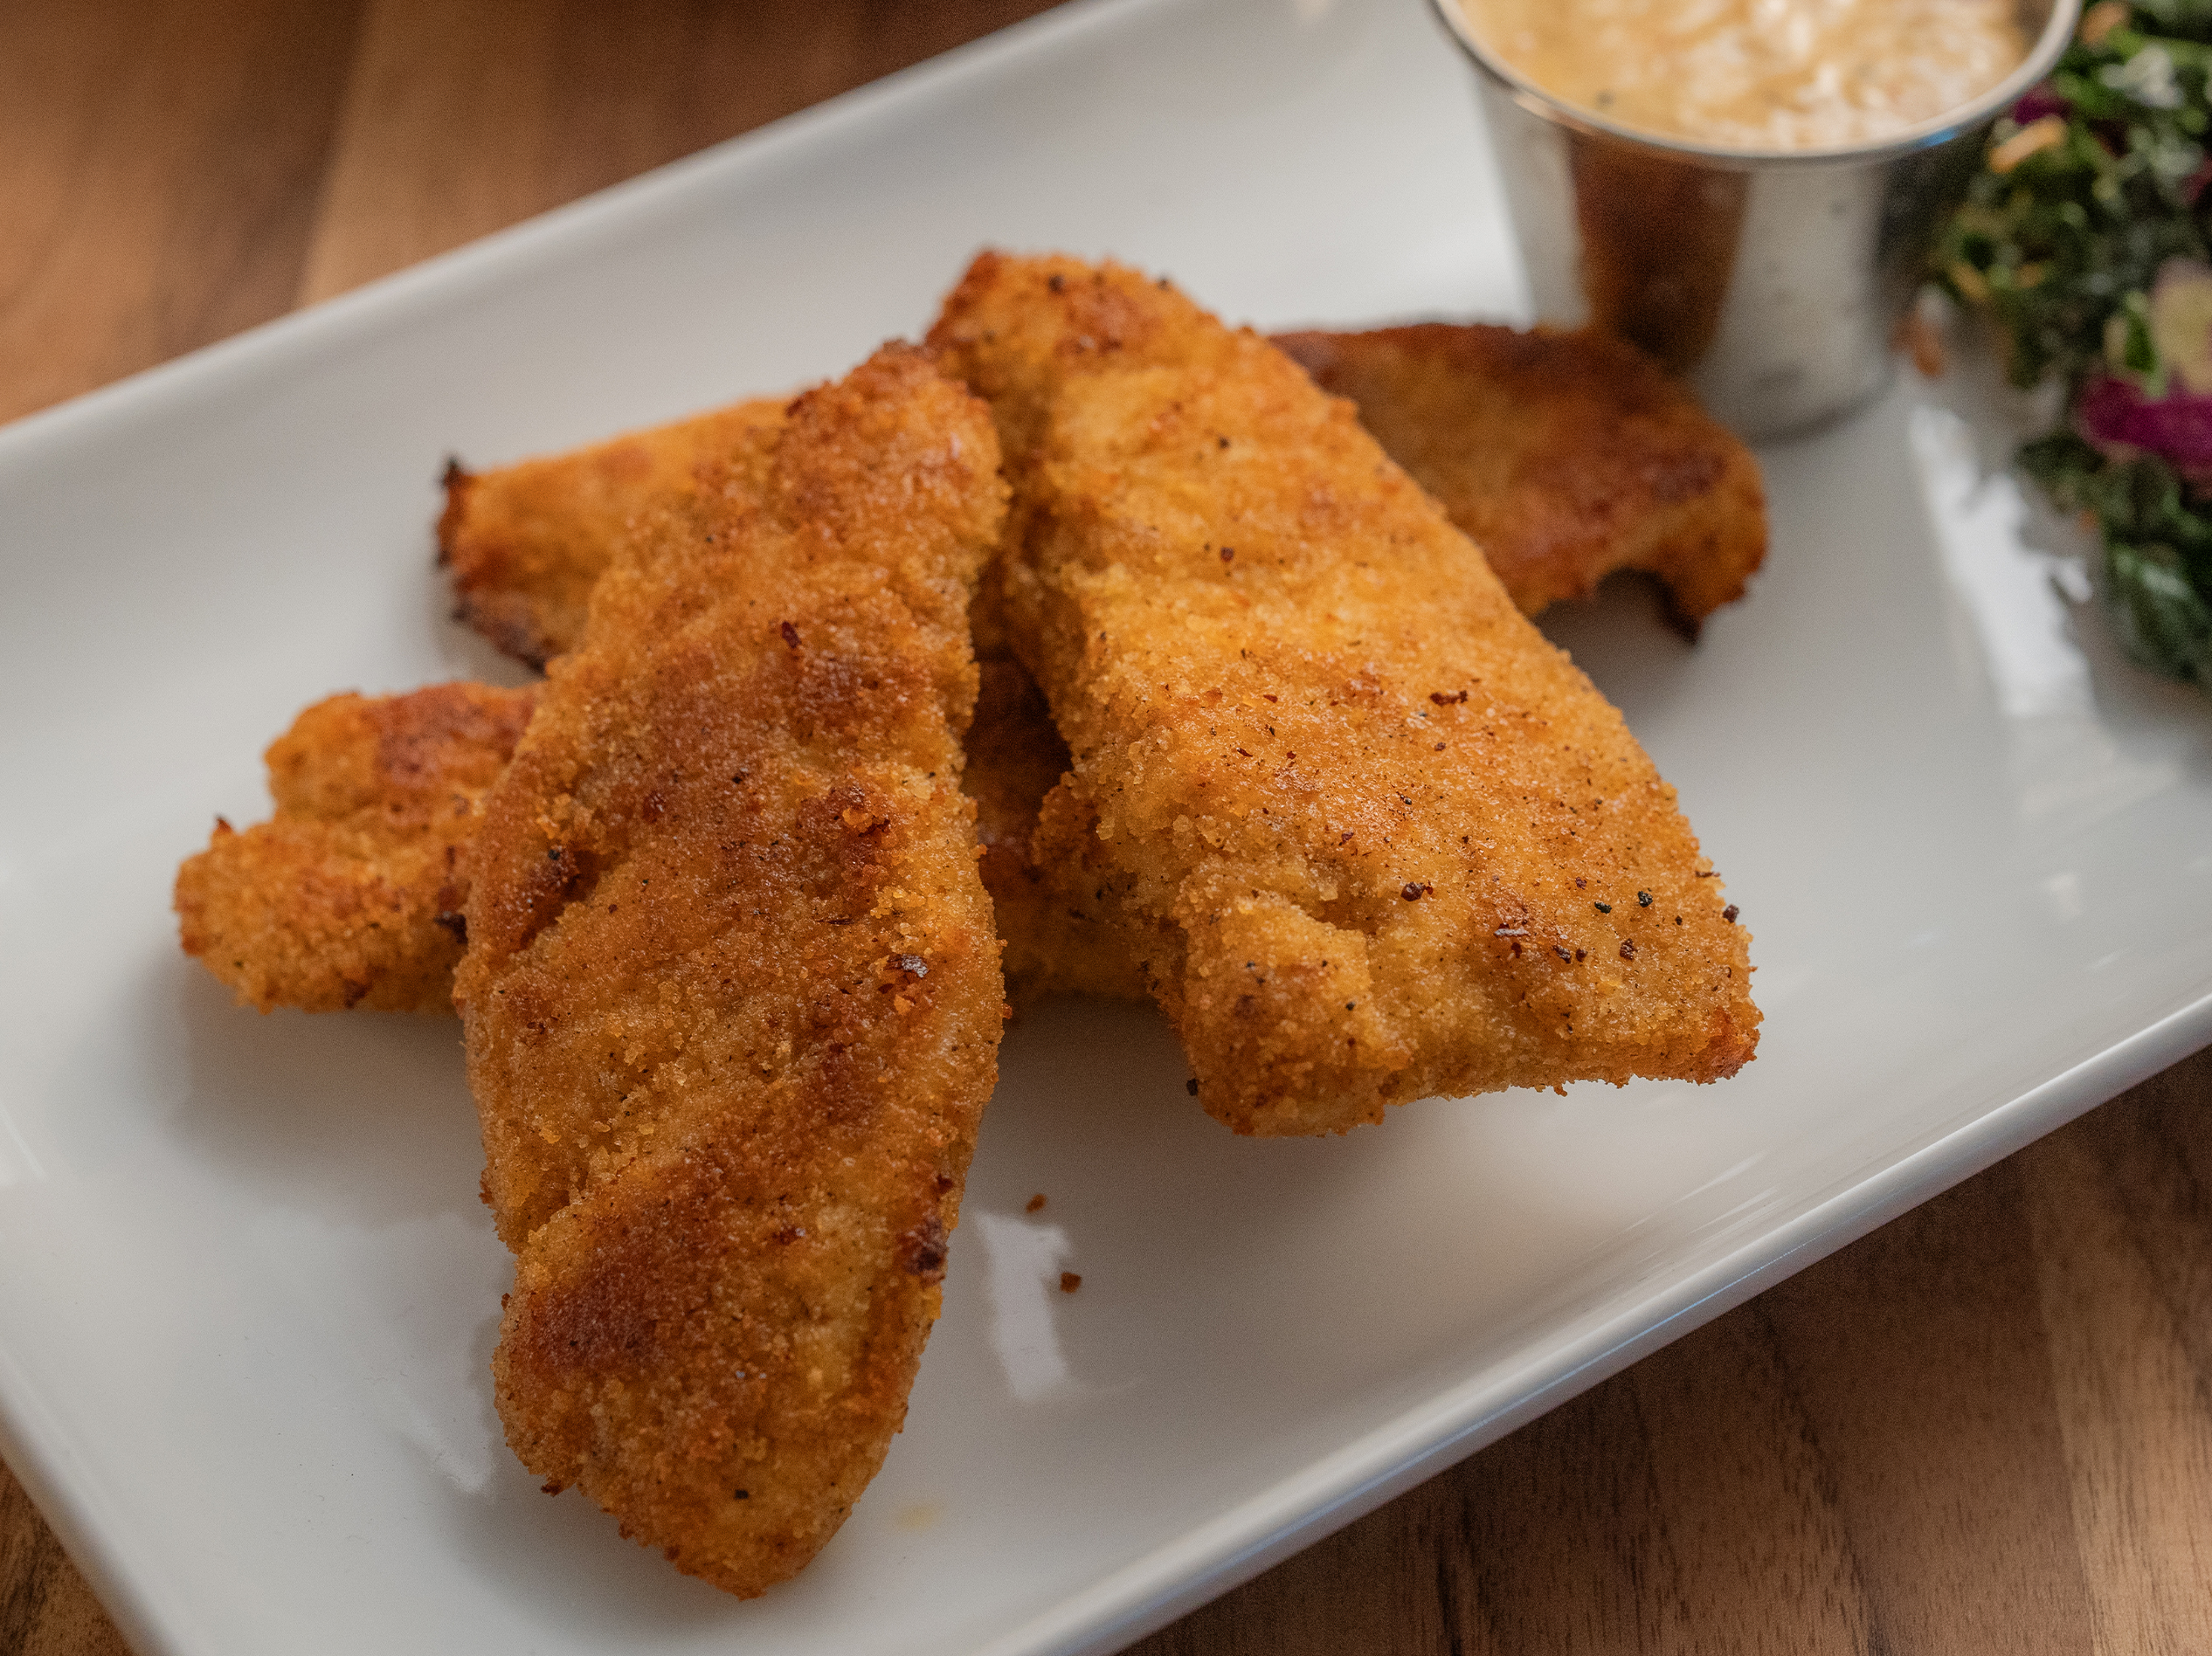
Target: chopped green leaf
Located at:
point(2090, 254)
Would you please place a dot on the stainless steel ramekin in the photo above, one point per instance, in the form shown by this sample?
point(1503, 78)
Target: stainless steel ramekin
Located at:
point(1772, 280)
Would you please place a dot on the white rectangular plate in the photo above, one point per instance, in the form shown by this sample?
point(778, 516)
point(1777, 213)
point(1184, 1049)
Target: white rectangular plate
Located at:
point(249, 1294)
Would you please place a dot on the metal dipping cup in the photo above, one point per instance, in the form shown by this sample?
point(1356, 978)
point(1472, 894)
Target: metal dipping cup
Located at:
point(1773, 280)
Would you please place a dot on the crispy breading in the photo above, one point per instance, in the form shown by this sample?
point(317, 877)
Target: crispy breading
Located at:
point(732, 998)
point(301, 915)
point(352, 895)
point(526, 542)
point(1563, 456)
point(1377, 838)
point(1057, 942)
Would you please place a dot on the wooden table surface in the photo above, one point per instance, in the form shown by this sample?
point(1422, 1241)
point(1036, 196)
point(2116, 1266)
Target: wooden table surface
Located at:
point(1986, 1428)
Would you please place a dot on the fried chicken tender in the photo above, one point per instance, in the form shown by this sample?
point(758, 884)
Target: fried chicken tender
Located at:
point(1374, 838)
point(732, 1000)
point(527, 543)
point(1563, 456)
point(352, 895)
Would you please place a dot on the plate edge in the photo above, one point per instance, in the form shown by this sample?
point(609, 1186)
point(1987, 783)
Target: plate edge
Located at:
point(1231, 1549)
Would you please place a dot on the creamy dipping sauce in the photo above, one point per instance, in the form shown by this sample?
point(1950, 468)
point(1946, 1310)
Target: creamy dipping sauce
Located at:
point(1758, 74)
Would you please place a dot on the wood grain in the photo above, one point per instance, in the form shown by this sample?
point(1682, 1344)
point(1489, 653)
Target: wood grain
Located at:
point(462, 116)
point(2120, 1210)
point(162, 161)
point(1986, 1428)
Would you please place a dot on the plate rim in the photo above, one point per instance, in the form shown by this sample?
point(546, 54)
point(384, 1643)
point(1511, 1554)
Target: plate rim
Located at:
point(1343, 1486)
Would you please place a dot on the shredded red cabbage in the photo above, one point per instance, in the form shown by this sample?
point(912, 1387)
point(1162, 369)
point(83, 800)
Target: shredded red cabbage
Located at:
point(2115, 415)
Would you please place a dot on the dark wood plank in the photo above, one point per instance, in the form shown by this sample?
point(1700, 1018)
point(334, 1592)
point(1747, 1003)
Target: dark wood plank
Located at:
point(1919, 1361)
point(2120, 1208)
point(467, 115)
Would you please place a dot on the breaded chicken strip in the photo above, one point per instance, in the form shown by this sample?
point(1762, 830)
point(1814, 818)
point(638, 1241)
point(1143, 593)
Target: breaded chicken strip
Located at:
point(731, 999)
point(526, 543)
point(352, 895)
point(1563, 456)
point(1376, 838)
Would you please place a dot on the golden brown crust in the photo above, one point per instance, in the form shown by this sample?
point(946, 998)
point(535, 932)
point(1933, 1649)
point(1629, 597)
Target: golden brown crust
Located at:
point(1563, 456)
point(526, 542)
point(1056, 942)
point(1378, 839)
point(732, 998)
point(352, 895)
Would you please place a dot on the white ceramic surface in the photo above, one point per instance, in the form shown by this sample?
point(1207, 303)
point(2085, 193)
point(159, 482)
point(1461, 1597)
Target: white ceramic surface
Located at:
point(247, 1294)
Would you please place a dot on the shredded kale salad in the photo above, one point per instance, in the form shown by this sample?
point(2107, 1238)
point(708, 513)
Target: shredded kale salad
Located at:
point(2084, 237)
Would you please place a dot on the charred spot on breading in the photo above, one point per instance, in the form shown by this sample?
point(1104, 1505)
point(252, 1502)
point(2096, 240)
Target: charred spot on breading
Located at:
point(921, 1249)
